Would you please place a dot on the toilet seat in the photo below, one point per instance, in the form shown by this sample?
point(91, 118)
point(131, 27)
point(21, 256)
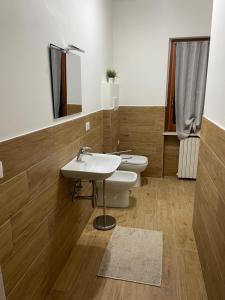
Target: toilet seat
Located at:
point(134, 163)
point(134, 159)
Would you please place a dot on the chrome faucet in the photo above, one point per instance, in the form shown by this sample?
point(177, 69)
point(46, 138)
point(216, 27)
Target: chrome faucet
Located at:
point(83, 150)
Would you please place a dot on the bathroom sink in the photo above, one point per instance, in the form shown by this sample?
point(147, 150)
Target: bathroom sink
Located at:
point(92, 167)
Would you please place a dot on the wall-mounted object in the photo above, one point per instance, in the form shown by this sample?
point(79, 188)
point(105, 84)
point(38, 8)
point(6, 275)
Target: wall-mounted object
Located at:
point(87, 126)
point(188, 158)
point(82, 168)
point(1, 170)
point(110, 95)
point(66, 81)
point(74, 48)
point(68, 48)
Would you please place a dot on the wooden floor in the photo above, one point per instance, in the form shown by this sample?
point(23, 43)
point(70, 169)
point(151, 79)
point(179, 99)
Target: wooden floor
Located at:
point(160, 204)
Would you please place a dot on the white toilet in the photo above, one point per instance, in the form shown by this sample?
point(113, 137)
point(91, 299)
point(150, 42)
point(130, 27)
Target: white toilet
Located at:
point(134, 163)
point(117, 189)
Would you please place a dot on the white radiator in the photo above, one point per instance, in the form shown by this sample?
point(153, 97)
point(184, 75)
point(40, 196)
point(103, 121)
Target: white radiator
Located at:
point(188, 157)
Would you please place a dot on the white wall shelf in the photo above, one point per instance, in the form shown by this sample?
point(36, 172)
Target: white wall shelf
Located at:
point(110, 95)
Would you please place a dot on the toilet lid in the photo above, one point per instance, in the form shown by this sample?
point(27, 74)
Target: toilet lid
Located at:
point(133, 159)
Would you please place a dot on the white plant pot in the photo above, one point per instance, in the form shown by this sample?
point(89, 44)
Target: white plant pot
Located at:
point(111, 80)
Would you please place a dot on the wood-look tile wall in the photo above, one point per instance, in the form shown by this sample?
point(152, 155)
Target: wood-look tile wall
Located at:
point(141, 130)
point(38, 221)
point(110, 130)
point(171, 155)
point(209, 211)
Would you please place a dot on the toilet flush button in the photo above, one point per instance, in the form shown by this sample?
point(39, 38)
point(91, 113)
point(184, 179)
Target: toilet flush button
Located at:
point(1, 170)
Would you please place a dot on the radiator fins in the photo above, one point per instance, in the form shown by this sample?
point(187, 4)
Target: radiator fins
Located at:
point(188, 158)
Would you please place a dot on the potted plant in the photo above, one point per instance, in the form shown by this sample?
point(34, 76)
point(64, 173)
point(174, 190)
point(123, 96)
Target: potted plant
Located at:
point(111, 74)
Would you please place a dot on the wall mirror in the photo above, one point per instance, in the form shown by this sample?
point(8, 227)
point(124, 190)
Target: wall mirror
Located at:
point(66, 82)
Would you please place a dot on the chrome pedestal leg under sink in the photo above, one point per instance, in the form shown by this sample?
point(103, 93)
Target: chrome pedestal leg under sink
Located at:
point(104, 222)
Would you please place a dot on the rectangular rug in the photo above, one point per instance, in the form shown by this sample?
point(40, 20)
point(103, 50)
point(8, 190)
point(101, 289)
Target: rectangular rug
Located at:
point(133, 255)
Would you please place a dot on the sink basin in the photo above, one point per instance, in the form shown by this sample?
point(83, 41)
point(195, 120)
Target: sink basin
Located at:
point(94, 167)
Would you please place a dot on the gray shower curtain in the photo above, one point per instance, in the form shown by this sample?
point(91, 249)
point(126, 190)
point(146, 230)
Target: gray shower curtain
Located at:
point(191, 73)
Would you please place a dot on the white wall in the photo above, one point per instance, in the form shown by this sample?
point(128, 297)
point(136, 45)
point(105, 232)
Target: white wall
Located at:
point(142, 29)
point(26, 29)
point(215, 89)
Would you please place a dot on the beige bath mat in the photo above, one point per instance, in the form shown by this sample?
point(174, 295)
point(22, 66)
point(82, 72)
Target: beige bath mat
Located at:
point(134, 255)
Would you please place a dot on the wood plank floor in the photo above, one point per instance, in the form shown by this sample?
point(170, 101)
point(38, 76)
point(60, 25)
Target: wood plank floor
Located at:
point(160, 204)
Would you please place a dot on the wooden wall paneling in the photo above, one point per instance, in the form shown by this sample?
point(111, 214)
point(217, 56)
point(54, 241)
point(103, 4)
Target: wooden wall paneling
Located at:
point(64, 229)
point(23, 255)
point(66, 133)
point(171, 155)
point(92, 137)
point(107, 131)
point(76, 146)
point(209, 210)
point(111, 130)
point(28, 218)
point(141, 134)
point(36, 273)
point(141, 130)
point(217, 206)
point(115, 129)
point(69, 216)
point(214, 137)
point(95, 119)
point(6, 242)
point(21, 153)
point(13, 195)
point(152, 116)
point(47, 171)
point(39, 224)
point(210, 269)
point(215, 236)
point(215, 167)
point(215, 231)
point(65, 234)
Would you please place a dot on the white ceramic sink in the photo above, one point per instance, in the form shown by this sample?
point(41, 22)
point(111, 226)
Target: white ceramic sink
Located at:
point(94, 167)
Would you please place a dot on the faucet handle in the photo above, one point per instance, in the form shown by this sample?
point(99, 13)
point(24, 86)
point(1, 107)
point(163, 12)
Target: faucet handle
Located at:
point(86, 148)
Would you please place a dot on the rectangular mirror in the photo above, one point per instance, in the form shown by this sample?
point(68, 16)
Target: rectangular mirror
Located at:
point(66, 82)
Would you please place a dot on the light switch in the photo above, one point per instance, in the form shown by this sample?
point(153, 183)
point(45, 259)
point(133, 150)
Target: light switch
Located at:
point(88, 126)
point(1, 170)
